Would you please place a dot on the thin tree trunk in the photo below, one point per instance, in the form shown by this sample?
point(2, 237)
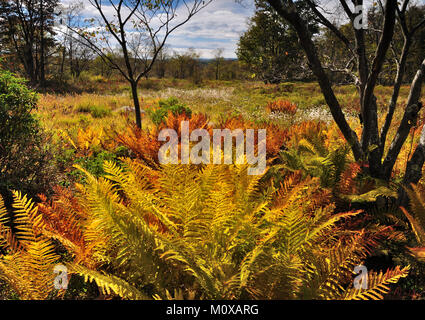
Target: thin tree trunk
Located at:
point(413, 170)
point(136, 104)
point(409, 119)
point(290, 14)
point(397, 85)
point(62, 63)
point(42, 47)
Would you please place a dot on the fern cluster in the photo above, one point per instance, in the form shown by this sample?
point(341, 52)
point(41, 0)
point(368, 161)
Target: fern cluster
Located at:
point(27, 264)
point(209, 232)
point(310, 151)
point(148, 231)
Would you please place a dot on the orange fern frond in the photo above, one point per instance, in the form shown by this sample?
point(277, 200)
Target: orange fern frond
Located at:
point(283, 106)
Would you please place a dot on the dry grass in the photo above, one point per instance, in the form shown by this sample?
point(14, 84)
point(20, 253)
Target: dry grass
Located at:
point(249, 99)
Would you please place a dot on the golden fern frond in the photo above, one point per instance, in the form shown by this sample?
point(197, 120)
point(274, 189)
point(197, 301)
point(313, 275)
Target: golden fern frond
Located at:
point(5, 231)
point(378, 284)
point(417, 203)
point(4, 215)
point(179, 185)
point(336, 264)
point(24, 218)
point(197, 267)
point(417, 218)
point(179, 294)
point(323, 223)
point(28, 266)
point(134, 242)
point(138, 191)
point(110, 284)
point(65, 221)
point(417, 228)
point(307, 146)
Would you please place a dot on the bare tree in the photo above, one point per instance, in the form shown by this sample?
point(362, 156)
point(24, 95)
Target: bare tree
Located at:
point(79, 54)
point(161, 62)
point(218, 59)
point(365, 71)
point(131, 37)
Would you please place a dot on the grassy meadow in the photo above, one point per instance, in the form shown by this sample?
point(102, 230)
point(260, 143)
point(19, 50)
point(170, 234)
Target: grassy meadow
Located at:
point(214, 98)
point(100, 109)
point(124, 226)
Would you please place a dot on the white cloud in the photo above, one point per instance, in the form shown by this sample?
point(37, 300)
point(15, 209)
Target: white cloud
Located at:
point(218, 25)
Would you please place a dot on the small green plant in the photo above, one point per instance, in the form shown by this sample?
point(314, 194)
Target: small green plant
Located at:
point(171, 104)
point(97, 111)
point(94, 162)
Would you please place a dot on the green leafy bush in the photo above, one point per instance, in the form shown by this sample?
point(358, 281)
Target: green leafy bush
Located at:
point(94, 163)
point(169, 105)
point(96, 111)
point(25, 159)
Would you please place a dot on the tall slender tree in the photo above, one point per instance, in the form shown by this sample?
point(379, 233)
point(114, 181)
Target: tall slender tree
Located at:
point(26, 26)
point(131, 38)
point(370, 147)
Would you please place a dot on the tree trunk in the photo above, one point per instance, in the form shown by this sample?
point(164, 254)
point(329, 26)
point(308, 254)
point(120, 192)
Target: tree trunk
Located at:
point(42, 48)
point(397, 85)
point(62, 63)
point(136, 104)
point(413, 170)
point(29, 64)
point(408, 121)
point(306, 42)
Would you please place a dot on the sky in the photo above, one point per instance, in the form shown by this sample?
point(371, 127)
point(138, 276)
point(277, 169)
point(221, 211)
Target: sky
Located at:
point(218, 25)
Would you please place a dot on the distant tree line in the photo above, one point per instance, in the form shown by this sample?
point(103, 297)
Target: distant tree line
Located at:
point(27, 36)
point(48, 43)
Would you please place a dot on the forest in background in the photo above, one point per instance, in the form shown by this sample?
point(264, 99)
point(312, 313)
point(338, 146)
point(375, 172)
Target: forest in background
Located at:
point(43, 44)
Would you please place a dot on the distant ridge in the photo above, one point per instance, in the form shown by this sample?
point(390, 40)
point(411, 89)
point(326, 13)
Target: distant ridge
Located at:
point(212, 59)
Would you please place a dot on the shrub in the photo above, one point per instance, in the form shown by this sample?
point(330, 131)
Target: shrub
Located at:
point(97, 111)
point(150, 84)
point(24, 155)
point(172, 105)
point(94, 163)
point(99, 79)
point(282, 106)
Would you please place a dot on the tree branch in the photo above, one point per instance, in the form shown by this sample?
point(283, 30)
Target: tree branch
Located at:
point(289, 13)
point(409, 120)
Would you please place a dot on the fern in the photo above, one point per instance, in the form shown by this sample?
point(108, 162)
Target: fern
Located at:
point(221, 232)
point(110, 284)
point(378, 285)
point(30, 257)
point(309, 153)
point(417, 220)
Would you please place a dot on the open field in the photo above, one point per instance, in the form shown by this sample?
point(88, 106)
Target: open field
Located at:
point(212, 150)
point(112, 207)
point(216, 99)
